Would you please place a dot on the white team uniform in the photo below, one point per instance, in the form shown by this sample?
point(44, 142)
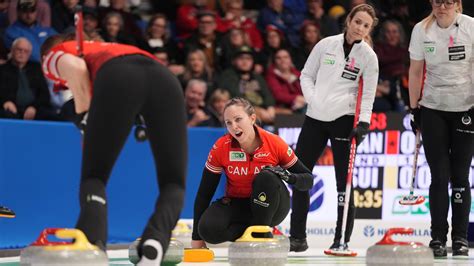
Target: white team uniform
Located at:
point(448, 59)
point(330, 81)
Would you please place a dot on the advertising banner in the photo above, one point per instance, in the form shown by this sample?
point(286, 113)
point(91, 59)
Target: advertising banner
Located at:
point(382, 172)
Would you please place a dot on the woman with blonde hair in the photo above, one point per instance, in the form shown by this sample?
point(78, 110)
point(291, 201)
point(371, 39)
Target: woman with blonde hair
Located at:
point(441, 45)
point(197, 67)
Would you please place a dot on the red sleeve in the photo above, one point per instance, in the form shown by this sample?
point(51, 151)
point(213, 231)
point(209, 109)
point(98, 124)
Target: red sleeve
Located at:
point(213, 162)
point(280, 91)
point(286, 155)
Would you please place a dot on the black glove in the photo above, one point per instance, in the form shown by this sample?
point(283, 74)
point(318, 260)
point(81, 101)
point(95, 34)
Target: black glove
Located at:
point(359, 132)
point(283, 174)
point(81, 121)
point(415, 119)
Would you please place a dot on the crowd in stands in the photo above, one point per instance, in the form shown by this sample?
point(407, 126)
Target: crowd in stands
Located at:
point(218, 49)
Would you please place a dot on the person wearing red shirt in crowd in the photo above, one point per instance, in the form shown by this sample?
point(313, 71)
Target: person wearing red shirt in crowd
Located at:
point(283, 79)
point(112, 84)
point(234, 18)
point(255, 163)
point(187, 19)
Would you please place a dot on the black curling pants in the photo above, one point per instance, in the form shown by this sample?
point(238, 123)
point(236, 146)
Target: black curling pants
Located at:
point(125, 87)
point(227, 218)
point(311, 143)
point(448, 144)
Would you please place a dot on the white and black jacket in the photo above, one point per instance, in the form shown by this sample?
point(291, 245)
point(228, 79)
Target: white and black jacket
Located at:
point(330, 81)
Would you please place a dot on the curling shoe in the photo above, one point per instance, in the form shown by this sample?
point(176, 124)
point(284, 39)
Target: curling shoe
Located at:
point(460, 247)
point(439, 248)
point(152, 253)
point(298, 245)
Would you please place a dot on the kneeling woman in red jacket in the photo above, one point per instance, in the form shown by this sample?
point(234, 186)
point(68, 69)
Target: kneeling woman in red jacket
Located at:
point(255, 163)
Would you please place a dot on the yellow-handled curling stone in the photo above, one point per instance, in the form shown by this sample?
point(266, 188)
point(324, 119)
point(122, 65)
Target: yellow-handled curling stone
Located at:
point(182, 233)
point(249, 250)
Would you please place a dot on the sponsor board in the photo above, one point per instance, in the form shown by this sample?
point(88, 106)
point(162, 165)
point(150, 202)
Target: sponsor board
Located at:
point(365, 233)
point(383, 169)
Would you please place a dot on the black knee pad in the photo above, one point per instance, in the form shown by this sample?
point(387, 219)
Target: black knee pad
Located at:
point(266, 179)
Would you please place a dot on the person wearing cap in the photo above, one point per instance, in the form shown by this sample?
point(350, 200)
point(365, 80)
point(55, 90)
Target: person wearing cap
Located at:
point(28, 27)
point(43, 10)
point(241, 81)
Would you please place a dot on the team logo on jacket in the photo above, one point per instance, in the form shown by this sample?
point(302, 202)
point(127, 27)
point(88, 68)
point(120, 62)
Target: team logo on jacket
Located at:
point(261, 155)
point(289, 152)
point(350, 70)
point(237, 156)
point(262, 197)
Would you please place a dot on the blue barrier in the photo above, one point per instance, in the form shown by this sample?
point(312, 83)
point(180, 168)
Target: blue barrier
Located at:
point(39, 180)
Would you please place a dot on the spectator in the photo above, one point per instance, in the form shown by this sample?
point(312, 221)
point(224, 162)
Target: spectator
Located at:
point(283, 80)
point(240, 81)
point(43, 12)
point(4, 15)
point(161, 54)
point(130, 26)
point(207, 39)
point(284, 19)
point(234, 18)
point(157, 35)
point(316, 13)
point(112, 26)
point(274, 39)
point(91, 24)
point(23, 89)
point(392, 53)
point(187, 20)
point(194, 94)
point(310, 36)
point(233, 40)
point(216, 104)
point(63, 15)
point(28, 27)
point(197, 68)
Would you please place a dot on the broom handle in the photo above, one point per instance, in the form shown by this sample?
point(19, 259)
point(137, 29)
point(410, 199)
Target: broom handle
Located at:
point(352, 155)
point(415, 161)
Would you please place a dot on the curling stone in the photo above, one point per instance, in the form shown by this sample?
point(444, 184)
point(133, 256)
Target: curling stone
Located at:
point(183, 233)
point(174, 254)
point(249, 250)
point(388, 252)
point(27, 253)
point(283, 239)
point(81, 252)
